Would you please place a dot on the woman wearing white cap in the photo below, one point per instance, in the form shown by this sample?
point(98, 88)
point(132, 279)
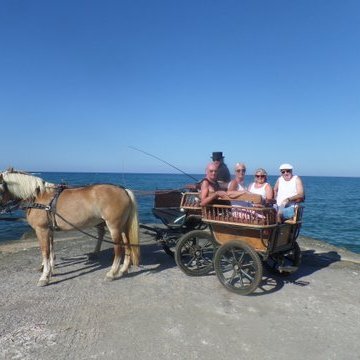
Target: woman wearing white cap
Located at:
point(288, 191)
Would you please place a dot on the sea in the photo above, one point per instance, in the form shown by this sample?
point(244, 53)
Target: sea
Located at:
point(331, 214)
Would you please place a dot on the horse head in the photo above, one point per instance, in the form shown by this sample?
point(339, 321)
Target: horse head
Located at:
point(5, 195)
point(18, 185)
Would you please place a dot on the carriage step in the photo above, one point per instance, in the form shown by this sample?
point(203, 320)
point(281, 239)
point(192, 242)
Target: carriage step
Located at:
point(289, 269)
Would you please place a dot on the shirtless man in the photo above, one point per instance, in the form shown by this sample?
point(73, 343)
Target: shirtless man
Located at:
point(210, 188)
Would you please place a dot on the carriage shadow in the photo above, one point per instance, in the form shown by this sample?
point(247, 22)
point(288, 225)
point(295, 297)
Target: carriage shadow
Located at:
point(153, 259)
point(311, 262)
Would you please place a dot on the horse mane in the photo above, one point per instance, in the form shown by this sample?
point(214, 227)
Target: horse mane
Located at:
point(24, 185)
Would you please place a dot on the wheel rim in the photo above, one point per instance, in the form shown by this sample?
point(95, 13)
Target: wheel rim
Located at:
point(238, 268)
point(195, 252)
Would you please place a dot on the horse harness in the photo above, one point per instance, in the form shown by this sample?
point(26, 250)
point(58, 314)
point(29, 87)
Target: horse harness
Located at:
point(50, 209)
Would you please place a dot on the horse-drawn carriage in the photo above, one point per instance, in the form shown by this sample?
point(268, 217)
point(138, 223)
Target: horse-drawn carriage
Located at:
point(235, 240)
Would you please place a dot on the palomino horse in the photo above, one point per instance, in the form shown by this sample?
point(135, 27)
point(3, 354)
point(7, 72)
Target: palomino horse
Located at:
point(82, 207)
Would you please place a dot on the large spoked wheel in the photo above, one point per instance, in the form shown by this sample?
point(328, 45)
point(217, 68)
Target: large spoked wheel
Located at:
point(194, 253)
point(238, 267)
point(285, 263)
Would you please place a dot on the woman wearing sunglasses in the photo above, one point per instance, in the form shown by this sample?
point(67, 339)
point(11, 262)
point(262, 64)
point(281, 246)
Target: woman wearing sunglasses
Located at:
point(261, 186)
point(288, 191)
point(238, 183)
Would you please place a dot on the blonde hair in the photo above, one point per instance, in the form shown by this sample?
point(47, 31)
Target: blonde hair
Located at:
point(262, 171)
point(240, 164)
point(23, 185)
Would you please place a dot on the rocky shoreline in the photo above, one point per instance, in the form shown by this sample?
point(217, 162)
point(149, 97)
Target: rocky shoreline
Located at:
point(156, 311)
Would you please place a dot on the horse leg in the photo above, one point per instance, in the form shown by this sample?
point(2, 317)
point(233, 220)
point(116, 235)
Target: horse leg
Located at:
point(100, 236)
point(52, 255)
point(116, 237)
point(125, 267)
point(52, 252)
point(43, 235)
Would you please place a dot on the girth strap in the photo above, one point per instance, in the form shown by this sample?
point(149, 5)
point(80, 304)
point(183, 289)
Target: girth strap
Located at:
point(52, 208)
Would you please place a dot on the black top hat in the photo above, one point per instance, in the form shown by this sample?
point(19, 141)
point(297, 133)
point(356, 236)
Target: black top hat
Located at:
point(217, 155)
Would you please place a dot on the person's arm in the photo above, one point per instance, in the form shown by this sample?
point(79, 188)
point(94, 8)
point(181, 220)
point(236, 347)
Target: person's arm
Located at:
point(300, 195)
point(205, 195)
point(232, 185)
point(269, 192)
point(276, 188)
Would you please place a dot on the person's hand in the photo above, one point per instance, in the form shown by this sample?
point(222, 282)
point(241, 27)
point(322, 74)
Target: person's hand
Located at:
point(285, 202)
point(221, 193)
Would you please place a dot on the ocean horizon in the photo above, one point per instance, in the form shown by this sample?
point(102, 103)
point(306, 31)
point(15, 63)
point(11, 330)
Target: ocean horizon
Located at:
point(331, 214)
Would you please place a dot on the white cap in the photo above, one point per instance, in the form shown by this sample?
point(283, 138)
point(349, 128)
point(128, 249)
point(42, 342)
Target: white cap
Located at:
point(286, 167)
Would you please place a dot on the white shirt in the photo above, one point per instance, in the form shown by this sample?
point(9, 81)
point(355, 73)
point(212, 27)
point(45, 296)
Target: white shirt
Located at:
point(286, 189)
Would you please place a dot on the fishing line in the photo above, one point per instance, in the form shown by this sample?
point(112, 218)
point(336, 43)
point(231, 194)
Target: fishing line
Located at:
point(167, 163)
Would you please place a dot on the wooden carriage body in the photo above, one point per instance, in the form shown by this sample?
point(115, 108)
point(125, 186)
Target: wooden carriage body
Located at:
point(256, 226)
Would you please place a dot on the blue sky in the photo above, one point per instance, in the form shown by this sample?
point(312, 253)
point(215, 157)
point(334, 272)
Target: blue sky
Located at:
point(265, 82)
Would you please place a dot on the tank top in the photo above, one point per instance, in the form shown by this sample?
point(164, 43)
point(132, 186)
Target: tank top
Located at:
point(286, 189)
point(239, 187)
point(260, 191)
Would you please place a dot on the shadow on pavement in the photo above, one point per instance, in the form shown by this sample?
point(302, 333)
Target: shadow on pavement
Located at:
point(311, 262)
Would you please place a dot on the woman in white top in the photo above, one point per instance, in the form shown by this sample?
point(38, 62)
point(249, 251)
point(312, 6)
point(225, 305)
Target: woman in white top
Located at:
point(237, 184)
point(261, 186)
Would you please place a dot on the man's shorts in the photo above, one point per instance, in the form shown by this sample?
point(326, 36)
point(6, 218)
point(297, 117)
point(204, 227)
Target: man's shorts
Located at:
point(288, 212)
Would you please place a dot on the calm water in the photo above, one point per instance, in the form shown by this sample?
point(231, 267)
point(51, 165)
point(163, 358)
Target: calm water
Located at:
point(332, 207)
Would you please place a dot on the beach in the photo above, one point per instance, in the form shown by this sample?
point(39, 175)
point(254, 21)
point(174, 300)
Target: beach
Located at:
point(156, 311)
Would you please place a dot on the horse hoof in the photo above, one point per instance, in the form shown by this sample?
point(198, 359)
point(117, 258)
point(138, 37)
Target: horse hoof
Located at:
point(42, 283)
point(109, 277)
point(119, 275)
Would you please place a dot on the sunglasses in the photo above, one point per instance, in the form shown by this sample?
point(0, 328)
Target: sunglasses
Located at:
point(213, 171)
point(260, 176)
point(240, 170)
point(286, 171)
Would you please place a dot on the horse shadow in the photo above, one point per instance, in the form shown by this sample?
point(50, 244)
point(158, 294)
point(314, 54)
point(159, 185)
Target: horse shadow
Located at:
point(311, 262)
point(152, 260)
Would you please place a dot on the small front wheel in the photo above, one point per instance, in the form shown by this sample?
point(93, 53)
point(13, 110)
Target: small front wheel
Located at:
point(238, 267)
point(285, 263)
point(194, 253)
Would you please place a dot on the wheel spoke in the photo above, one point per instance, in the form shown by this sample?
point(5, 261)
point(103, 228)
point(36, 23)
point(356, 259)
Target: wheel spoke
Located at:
point(190, 261)
point(247, 275)
point(231, 279)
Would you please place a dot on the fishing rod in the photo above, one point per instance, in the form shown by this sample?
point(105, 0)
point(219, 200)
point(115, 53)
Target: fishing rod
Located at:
point(167, 163)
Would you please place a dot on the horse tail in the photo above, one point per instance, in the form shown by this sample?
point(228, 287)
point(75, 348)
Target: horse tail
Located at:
point(133, 230)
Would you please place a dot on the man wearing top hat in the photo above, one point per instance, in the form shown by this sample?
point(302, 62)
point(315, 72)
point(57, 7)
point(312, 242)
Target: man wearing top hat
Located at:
point(223, 173)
